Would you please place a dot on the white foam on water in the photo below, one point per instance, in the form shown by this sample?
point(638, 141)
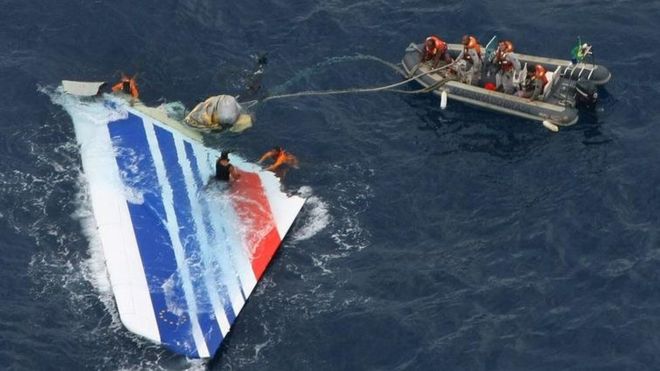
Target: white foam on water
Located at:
point(344, 228)
point(174, 110)
point(320, 263)
point(220, 258)
point(94, 270)
point(315, 216)
point(175, 303)
point(131, 191)
point(93, 110)
point(161, 362)
point(250, 230)
point(350, 236)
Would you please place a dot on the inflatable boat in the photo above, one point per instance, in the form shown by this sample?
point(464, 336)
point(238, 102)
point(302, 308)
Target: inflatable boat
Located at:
point(183, 252)
point(569, 84)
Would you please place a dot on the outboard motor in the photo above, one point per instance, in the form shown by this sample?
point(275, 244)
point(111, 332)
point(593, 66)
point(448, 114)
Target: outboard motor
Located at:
point(586, 93)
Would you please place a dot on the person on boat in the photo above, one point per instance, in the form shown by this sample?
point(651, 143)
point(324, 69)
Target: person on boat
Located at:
point(280, 157)
point(534, 88)
point(127, 85)
point(506, 63)
point(435, 49)
point(471, 54)
point(224, 171)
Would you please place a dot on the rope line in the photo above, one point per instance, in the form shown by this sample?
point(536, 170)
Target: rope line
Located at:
point(307, 72)
point(386, 88)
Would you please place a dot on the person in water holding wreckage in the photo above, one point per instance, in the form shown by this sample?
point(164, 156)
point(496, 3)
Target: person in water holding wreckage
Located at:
point(224, 171)
point(280, 157)
point(127, 85)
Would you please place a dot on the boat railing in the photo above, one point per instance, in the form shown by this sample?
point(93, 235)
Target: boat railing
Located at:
point(553, 77)
point(520, 76)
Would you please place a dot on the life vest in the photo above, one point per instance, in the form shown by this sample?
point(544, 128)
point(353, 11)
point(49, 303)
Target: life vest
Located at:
point(472, 44)
point(502, 54)
point(127, 85)
point(279, 157)
point(439, 47)
point(282, 157)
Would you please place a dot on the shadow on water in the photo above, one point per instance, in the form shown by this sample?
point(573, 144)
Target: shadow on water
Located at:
point(472, 129)
point(590, 125)
point(590, 122)
point(463, 128)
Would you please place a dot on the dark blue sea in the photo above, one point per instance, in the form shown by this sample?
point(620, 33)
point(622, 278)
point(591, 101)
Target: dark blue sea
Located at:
point(432, 239)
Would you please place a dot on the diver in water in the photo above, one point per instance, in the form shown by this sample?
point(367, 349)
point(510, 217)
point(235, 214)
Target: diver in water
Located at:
point(224, 171)
point(280, 157)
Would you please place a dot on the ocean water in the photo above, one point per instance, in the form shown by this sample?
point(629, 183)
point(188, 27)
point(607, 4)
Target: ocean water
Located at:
point(432, 240)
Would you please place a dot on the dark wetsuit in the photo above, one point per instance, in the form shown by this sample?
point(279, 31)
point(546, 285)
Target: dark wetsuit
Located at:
point(222, 171)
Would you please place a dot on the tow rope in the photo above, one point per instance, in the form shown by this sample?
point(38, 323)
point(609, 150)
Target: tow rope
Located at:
point(386, 88)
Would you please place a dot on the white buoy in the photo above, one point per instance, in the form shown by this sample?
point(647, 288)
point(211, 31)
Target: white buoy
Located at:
point(443, 99)
point(550, 126)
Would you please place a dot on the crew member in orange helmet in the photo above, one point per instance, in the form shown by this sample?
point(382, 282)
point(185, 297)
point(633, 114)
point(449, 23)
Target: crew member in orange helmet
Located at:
point(127, 85)
point(506, 62)
point(435, 49)
point(540, 81)
point(472, 55)
point(280, 157)
point(536, 85)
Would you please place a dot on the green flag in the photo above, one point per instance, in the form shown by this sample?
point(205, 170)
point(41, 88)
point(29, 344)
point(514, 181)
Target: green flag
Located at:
point(576, 53)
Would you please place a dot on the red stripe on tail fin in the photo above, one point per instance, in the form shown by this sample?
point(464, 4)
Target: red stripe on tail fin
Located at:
point(252, 206)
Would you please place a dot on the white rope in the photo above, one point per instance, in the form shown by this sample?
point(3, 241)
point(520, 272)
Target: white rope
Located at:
point(358, 90)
